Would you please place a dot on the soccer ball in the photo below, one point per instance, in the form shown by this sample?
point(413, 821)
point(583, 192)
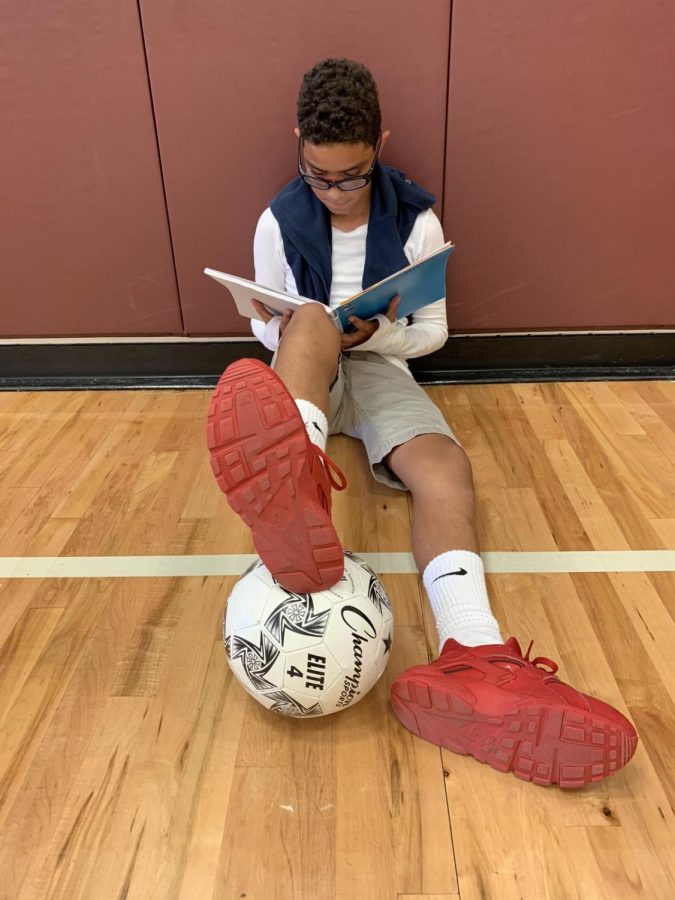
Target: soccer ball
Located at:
point(308, 654)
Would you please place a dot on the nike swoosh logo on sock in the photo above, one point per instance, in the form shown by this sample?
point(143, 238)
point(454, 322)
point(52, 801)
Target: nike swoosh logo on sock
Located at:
point(458, 572)
point(318, 429)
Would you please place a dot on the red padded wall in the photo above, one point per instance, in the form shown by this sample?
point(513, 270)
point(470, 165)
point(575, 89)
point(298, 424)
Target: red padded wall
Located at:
point(85, 246)
point(225, 78)
point(560, 181)
point(557, 182)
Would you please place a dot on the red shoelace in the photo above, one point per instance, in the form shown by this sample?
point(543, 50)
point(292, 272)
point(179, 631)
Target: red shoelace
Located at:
point(337, 480)
point(540, 661)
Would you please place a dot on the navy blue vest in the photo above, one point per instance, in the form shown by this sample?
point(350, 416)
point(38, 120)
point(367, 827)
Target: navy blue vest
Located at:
point(306, 230)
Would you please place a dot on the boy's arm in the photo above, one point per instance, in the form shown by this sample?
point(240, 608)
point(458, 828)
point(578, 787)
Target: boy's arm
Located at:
point(269, 263)
point(428, 330)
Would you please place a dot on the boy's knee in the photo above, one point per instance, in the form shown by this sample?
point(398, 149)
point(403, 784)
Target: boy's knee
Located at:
point(454, 457)
point(313, 318)
point(311, 312)
point(430, 460)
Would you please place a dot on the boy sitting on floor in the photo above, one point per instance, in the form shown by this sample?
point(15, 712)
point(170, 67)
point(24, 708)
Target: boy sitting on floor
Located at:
point(344, 223)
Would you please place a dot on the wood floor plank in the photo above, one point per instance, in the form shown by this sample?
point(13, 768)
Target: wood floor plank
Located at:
point(633, 459)
point(52, 795)
point(16, 599)
point(651, 620)
point(541, 414)
point(365, 865)
point(524, 456)
point(593, 512)
point(36, 704)
point(260, 862)
point(461, 418)
point(50, 538)
point(608, 476)
point(664, 585)
point(26, 428)
point(646, 696)
point(607, 408)
point(207, 795)
point(422, 838)
point(21, 650)
point(655, 391)
point(636, 800)
point(386, 513)
point(81, 844)
point(427, 896)
point(139, 798)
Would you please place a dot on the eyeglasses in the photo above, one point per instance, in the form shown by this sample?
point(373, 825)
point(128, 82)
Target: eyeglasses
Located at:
point(351, 183)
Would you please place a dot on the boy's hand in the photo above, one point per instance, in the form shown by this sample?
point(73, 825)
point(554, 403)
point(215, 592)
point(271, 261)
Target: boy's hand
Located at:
point(365, 329)
point(266, 316)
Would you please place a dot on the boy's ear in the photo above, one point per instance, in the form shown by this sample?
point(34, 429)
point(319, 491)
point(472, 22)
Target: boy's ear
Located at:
point(385, 138)
point(296, 132)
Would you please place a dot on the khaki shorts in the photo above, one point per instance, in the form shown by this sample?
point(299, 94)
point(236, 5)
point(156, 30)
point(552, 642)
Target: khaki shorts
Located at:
point(377, 402)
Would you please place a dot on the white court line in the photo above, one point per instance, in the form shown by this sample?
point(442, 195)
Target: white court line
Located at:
point(383, 563)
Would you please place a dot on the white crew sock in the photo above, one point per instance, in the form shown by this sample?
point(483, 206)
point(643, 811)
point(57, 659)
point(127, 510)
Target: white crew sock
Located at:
point(455, 584)
point(315, 422)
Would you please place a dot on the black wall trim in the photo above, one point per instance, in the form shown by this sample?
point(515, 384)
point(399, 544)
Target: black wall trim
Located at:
point(464, 359)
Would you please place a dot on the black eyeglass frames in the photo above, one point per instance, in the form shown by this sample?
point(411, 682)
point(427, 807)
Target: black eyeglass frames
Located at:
point(351, 183)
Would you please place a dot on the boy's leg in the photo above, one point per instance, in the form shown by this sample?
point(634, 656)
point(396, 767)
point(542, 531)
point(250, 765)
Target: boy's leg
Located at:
point(276, 478)
point(482, 696)
point(431, 465)
point(437, 472)
point(308, 354)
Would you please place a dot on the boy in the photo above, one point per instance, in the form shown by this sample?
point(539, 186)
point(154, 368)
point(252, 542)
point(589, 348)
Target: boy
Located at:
point(344, 223)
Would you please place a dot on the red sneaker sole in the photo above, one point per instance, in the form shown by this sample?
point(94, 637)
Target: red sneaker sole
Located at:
point(537, 742)
point(259, 451)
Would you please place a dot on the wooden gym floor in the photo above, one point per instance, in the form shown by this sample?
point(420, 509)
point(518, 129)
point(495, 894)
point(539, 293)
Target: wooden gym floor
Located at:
point(131, 764)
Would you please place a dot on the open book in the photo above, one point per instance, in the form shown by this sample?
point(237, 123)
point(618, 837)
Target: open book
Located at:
point(418, 285)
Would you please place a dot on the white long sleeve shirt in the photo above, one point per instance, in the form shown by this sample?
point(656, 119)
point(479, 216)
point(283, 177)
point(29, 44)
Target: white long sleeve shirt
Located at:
point(428, 330)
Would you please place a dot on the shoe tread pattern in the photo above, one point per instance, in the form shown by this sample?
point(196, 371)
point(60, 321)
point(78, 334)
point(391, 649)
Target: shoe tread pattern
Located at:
point(259, 450)
point(542, 743)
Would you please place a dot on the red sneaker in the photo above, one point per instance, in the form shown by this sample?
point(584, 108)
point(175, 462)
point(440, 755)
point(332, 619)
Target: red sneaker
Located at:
point(275, 477)
point(495, 704)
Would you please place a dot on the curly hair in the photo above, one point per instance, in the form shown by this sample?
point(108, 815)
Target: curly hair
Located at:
point(338, 103)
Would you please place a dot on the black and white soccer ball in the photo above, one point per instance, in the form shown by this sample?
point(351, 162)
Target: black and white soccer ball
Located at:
point(308, 654)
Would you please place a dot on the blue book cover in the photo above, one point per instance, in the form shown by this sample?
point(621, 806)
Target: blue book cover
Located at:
point(419, 285)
